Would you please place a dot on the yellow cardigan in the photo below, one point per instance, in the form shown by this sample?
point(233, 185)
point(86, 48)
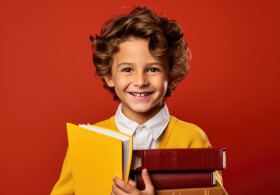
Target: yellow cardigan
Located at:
point(178, 134)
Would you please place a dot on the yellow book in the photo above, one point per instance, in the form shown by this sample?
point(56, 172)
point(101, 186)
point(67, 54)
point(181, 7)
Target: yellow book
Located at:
point(97, 155)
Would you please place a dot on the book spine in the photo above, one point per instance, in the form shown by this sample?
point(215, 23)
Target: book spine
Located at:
point(192, 191)
point(173, 180)
point(180, 159)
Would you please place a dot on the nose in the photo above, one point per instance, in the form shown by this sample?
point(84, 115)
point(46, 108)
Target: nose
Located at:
point(140, 80)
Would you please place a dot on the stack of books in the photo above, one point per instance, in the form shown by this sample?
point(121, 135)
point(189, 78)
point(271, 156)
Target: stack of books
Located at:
point(180, 171)
point(98, 154)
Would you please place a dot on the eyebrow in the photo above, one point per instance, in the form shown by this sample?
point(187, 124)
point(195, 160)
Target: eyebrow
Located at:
point(124, 63)
point(148, 64)
point(155, 63)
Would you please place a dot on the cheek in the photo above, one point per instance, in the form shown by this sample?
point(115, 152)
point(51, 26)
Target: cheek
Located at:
point(161, 84)
point(121, 84)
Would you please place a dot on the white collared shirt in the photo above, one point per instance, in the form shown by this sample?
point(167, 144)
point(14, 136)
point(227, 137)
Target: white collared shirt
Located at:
point(147, 135)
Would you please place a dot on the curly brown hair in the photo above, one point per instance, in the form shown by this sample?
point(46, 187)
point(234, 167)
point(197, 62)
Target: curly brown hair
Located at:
point(164, 36)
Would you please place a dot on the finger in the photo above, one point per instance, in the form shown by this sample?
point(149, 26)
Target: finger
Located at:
point(112, 193)
point(132, 182)
point(123, 185)
point(147, 181)
point(117, 191)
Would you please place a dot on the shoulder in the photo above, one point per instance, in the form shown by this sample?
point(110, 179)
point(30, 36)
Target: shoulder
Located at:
point(188, 133)
point(187, 128)
point(108, 123)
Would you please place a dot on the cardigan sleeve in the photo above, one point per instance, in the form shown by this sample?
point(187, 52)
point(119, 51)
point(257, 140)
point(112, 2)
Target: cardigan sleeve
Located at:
point(64, 185)
point(219, 180)
point(199, 138)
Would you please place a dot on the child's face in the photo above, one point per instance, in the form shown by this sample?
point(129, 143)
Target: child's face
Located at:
point(139, 79)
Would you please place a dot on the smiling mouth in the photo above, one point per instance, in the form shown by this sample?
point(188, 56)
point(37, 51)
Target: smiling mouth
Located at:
point(140, 94)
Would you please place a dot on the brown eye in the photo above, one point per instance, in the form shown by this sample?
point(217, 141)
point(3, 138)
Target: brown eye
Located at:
point(127, 70)
point(154, 70)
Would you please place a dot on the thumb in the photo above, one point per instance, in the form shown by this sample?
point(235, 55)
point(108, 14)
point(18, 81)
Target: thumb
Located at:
point(147, 181)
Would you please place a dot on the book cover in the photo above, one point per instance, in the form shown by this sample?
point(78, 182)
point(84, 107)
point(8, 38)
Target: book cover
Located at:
point(196, 159)
point(171, 180)
point(97, 155)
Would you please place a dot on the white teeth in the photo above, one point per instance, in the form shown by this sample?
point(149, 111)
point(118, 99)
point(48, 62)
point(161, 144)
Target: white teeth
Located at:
point(140, 94)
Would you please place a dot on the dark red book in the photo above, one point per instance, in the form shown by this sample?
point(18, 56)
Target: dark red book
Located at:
point(172, 180)
point(199, 159)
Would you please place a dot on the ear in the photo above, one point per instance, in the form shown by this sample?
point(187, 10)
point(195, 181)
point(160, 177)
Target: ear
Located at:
point(109, 80)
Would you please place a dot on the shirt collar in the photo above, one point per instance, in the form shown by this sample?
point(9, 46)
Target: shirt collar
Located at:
point(155, 125)
point(124, 124)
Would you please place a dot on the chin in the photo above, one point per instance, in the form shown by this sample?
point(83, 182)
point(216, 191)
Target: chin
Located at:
point(144, 109)
point(141, 110)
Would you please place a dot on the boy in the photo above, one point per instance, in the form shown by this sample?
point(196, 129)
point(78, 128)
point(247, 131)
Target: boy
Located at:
point(141, 58)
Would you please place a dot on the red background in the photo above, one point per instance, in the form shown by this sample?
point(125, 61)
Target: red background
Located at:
point(47, 79)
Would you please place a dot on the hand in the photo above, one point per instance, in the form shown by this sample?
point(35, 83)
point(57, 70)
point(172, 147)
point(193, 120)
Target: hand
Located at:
point(122, 188)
